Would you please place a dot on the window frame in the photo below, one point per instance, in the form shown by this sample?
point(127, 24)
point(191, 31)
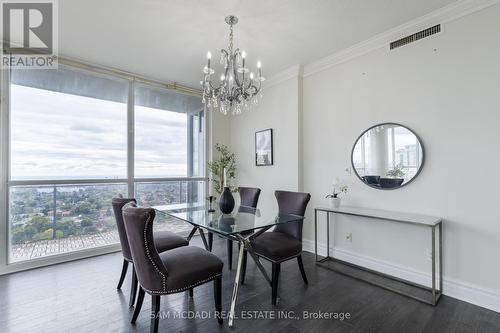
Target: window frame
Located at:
point(7, 266)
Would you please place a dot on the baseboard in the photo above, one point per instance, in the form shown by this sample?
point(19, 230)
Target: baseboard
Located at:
point(464, 291)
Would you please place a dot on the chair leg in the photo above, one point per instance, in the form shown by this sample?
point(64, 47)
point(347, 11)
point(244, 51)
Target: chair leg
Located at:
point(155, 313)
point(244, 267)
point(133, 288)
point(210, 241)
point(302, 271)
point(191, 292)
point(138, 305)
point(218, 298)
point(229, 245)
point(276, 273)
point(124, 272)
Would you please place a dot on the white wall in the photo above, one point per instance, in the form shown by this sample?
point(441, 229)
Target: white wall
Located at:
point(447, 89)
point(282, 115)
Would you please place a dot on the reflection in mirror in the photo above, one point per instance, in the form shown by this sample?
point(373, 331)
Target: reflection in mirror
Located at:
point(387, 156)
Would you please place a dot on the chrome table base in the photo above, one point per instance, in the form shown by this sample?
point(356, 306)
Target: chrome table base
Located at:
point(245, 245)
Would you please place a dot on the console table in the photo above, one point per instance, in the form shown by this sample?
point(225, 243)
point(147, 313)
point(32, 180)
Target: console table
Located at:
point(399, 217)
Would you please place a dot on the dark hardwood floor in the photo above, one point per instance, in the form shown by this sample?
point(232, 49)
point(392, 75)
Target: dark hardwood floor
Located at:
point(81, 296)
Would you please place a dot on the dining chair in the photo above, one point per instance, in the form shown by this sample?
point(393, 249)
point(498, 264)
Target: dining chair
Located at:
point(169, 272)
point(285, 241)
point(163, 240)
point(249, 197)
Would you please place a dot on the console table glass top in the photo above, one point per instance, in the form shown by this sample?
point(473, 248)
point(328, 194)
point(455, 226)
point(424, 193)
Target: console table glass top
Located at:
point(385, 215)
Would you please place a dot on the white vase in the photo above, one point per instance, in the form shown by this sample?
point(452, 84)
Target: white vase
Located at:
point(334, 202)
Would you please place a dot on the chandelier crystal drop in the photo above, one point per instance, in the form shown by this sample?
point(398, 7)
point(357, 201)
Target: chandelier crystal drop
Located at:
point(238, 88)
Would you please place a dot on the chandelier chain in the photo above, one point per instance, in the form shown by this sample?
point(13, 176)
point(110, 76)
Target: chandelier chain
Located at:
point(230, 39)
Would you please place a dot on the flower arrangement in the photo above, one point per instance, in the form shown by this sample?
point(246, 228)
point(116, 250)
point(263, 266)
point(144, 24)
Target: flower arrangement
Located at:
point(337, 190)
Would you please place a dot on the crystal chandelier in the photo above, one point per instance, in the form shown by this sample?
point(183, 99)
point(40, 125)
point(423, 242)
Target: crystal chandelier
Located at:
point(238, 87)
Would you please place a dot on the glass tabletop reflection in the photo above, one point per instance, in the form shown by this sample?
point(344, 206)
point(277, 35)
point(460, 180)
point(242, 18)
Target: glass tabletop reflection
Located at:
point(242, 220)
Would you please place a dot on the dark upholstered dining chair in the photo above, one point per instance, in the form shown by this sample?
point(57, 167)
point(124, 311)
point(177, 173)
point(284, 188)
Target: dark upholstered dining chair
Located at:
point(249, 197)
point(285, 241)
point(163, 240)
point(170, 272)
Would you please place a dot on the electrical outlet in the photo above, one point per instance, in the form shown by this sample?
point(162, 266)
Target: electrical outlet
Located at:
point(348, 237)
point(428, 254)
point(348, 171)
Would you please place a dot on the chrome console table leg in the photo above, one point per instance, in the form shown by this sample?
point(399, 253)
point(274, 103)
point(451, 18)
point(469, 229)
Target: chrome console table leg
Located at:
point(441, 258)
point(328, 234)
point(433, 300)
point(436, 289)
point(316, 234)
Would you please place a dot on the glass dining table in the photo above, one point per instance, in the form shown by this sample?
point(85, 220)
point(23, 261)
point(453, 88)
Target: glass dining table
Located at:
point(244, 224)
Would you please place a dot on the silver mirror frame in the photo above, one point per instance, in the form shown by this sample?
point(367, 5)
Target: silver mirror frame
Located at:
point(393, 188)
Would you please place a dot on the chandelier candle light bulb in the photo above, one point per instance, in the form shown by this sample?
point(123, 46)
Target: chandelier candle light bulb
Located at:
point(235, 90)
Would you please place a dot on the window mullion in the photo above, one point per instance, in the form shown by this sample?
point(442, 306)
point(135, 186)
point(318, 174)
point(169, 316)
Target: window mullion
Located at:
point(130, 138)
point(4, 165)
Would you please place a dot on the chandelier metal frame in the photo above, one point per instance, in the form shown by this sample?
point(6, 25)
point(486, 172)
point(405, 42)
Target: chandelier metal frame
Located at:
point(238, 87)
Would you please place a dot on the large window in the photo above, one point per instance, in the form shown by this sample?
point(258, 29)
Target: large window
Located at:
point(70, 154)
point(67, 124)
point(173, 193)
point(49, 220)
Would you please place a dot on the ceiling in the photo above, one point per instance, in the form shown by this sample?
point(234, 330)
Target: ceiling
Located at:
point(168, 40)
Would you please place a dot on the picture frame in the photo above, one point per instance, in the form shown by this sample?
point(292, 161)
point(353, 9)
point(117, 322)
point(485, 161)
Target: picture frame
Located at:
point(264, 151)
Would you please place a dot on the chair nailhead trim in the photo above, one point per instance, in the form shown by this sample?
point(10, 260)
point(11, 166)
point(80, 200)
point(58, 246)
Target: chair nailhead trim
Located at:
point(164, 283)
point(193, 285)
point(181, 289)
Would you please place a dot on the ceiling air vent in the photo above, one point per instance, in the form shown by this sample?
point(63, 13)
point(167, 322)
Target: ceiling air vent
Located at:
point(417, 36)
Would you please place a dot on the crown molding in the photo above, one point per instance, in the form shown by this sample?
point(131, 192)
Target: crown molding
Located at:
point(443, 15)
point(289, 73)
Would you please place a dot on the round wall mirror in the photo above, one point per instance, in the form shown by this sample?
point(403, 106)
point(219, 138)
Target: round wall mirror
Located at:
point(387, 156)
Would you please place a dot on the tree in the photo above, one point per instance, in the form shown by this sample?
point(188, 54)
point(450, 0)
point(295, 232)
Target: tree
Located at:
point(40, 223)
point(47, 234)
point(21, 234)
point(83, 208)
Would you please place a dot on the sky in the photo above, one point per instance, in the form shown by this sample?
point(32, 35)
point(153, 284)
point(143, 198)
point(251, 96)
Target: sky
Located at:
point(63, 136)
